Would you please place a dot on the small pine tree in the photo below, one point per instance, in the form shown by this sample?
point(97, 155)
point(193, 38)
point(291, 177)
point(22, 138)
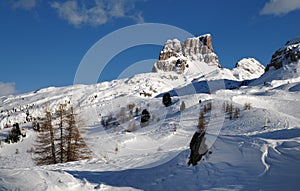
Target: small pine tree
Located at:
point(209, 106)
point(201, 122)
point(136, 111)
point(224, 106)
point(230, 111)
point(227, 107)
point(237, 113)
point(182, 106)
point(205, 109)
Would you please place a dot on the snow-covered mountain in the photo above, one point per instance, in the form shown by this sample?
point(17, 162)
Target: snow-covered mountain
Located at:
point(257, 149)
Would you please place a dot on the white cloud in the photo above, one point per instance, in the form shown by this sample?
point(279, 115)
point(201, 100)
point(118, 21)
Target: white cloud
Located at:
point(24, 4)
point(280, 7)
point(98, 13)
point(7, 89)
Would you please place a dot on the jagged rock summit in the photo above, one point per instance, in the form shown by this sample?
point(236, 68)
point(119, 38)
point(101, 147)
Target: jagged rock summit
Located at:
point(195, 58)
point(181, 57)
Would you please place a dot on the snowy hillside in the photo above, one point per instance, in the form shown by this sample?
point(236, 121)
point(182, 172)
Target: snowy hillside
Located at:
point(257, 147)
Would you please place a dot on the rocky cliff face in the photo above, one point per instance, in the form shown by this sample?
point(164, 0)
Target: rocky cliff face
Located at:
point(176, 56)
point(290, 53)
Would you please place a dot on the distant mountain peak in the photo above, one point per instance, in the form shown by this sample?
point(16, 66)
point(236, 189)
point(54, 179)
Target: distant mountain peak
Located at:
point(248, 68)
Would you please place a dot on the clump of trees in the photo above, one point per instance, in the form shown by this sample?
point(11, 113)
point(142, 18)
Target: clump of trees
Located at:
point(247, 106)
point(59, 139)
point(232, 112)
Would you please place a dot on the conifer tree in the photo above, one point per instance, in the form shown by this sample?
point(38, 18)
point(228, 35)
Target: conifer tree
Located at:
point(61, 114)
point(45, 148)
point(61, 144)
point(182, 106)
point(201, 122)
point(76, 146)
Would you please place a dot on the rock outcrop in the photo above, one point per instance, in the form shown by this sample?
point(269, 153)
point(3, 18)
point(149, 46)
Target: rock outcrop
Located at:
point(198, 148)
point(290, 53)
point(175, 55)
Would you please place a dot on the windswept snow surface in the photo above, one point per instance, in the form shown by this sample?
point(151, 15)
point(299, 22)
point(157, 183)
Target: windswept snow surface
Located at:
point(245, 155)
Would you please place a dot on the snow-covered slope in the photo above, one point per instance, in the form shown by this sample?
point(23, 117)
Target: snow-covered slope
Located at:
point(244, 155)
point(258, 150)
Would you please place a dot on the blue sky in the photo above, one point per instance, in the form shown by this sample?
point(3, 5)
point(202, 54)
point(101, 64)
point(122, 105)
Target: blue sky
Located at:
point(42, 42)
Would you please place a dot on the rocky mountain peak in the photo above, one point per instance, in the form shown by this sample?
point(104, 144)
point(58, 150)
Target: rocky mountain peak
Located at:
point(248, 68)
point(176, 55)
point(290, 53)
